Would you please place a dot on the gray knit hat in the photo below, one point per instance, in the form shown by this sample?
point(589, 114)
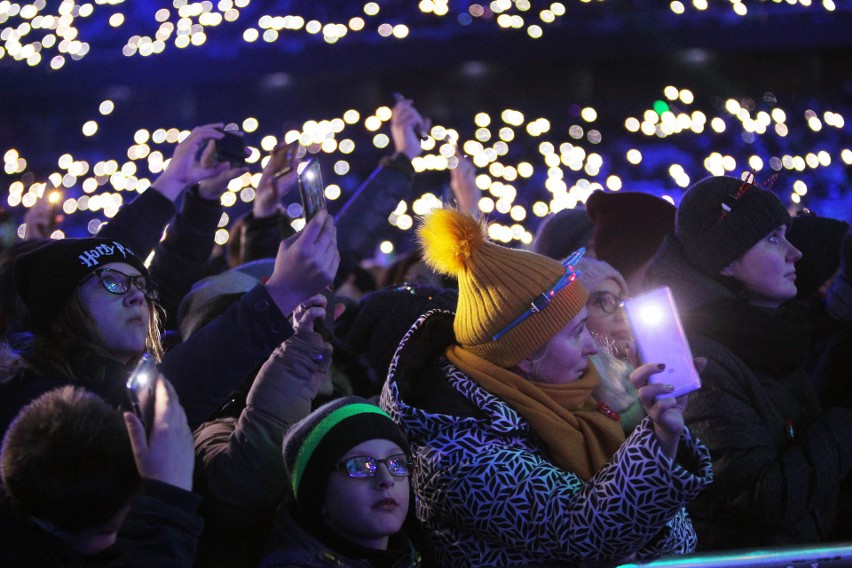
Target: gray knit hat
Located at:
point(721, 217)
point(314, 445)
point(562, 233)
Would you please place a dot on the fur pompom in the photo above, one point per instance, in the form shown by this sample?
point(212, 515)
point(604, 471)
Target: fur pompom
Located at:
point(449, 238)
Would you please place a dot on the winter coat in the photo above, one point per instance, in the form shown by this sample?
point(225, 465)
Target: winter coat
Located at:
point(488, 494)
point(239, 463)
point(292, 546)
point(778, 459)
point(160, 530)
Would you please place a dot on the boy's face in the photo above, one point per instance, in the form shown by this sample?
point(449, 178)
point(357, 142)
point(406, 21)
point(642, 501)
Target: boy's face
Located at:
point(368, 510)
point(91, 541)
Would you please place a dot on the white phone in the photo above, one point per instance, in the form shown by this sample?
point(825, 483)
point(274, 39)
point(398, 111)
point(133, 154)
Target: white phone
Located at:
point(660, 338)
point(140, 390)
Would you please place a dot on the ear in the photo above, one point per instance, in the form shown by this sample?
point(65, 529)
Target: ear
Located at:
point(729, 269)
point(525, 366)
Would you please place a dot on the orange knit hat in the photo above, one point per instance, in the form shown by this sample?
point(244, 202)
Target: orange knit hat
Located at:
point(498, 287)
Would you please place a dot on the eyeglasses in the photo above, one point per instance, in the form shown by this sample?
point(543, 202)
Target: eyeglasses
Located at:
point(118, 283)
point(543, 300)
point(607, 301)
point(361, 467)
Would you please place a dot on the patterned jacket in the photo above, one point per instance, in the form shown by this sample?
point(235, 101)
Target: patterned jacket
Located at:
point(488, 494)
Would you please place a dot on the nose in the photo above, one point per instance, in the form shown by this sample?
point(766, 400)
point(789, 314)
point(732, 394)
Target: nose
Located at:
point(134, 296)
point(589, 345)
point(793, 254)
point(383, 477)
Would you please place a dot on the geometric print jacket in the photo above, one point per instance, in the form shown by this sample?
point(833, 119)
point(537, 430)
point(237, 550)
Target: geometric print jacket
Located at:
point(488, 495)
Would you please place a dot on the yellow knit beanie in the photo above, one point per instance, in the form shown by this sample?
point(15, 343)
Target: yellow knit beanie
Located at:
point(497, 285)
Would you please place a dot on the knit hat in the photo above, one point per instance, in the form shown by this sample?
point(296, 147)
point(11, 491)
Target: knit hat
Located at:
point(197, 307)
point(721, 217)
point(384, 316)
point(497, 288)
point(314, 445)
point(562, 233)
point(593, 272)
point(47, 277)
point(629, 227)
point(821, 241)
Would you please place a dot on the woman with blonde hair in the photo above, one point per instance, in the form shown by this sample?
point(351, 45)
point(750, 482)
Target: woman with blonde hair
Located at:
point(514, 462)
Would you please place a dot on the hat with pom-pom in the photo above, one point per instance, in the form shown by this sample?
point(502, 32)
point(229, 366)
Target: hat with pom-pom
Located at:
point(511, 302)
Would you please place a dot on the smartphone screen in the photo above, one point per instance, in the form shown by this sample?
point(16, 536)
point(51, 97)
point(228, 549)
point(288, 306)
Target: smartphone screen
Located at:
point(659, 337)
point(140, 390)
point(311, 189)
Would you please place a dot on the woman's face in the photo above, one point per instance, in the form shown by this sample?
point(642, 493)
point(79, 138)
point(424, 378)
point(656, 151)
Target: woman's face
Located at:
point(767, 270)
point(368, 510)
point(120, 321)
point(607, 321)
point(564, 358)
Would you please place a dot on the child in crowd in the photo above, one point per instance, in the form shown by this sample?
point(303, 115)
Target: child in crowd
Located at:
point(349, 468)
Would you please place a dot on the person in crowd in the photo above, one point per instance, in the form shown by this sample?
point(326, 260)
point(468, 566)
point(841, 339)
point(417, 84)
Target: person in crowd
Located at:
point(778, 458)
point(362, 217)
point(92, 306)
point(197, 179)
point(629, 227)
point(515, 464)
point(240, 470)
point(820, 239)
point(349, 466)
point(563, 232)
point(608, 325)
point(380, 320)
point(84, 487)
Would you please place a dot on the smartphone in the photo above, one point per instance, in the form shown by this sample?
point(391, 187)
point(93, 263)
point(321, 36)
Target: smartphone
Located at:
point(659, 337)
point(285, 158)
point(141, 395)
point(231, 149)
point(311, 189)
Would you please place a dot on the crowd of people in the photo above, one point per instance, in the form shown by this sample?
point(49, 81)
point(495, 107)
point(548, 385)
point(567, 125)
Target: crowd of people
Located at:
point(472, 405)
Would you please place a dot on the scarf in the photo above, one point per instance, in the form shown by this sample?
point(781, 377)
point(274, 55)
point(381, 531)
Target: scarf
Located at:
point(580, 438)
point(773, 341)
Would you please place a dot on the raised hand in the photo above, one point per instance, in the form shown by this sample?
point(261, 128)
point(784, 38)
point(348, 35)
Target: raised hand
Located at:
point(186, 168)
point(277, 179)
point(463, 185)
point(406, 125)
point(306, 263)
point(666, 412)
point(168, 454)
point(213, 187)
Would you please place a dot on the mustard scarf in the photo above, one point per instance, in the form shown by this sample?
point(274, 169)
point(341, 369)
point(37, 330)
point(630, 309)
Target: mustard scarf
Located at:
point(581, 439)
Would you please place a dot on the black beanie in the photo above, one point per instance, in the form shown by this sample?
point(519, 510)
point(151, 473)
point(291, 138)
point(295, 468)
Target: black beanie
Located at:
point(383, 317)
point(821, 241)
point(315, 444)
point(721, 217)
point(47, 277)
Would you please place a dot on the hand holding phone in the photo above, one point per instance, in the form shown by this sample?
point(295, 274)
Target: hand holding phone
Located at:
point(284, 159)
point(140, 390)
point(311, 189)
point(231, 148)
point(418, 130)
point(660, 339)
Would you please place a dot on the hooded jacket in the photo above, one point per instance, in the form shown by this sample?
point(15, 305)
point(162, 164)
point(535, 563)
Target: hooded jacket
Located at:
point(489, 496)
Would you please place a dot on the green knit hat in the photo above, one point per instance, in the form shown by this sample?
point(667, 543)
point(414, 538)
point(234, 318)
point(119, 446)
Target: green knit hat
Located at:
point(314, 445)
point(721, 217)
